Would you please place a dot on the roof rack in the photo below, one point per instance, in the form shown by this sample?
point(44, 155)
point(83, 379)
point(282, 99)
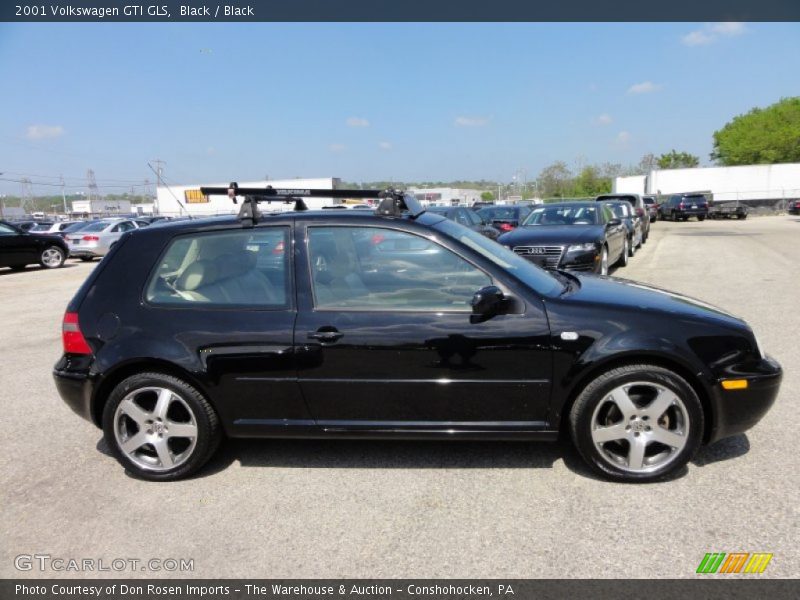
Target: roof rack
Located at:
point(393, 203)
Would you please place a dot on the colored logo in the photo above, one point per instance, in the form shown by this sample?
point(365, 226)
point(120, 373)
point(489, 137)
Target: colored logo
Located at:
point(735, 562)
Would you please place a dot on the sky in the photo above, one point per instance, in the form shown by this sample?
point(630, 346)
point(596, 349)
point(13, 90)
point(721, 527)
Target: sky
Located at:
point(365, 102)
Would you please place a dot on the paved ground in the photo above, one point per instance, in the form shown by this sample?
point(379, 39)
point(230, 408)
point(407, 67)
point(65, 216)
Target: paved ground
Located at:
point(377, 509)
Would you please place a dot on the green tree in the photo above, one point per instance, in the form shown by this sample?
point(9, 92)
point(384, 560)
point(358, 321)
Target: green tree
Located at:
point(487, 196)
point(762, 136)
point(677, 160)
point(554, 180)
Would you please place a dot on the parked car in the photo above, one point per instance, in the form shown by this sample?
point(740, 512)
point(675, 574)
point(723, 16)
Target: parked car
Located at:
point(577, 236)
point(24, 225)
point(481, 204)
point(19, 248)
point(727, 210)
point(651, 202)
point(56, 228)
point(679, 207)
point(75, 227)
point(793, 208)
point(96, 238)
point(181, 338)
point(505, 218)
point(468, 218)
point(639, 208)
point(633, 224)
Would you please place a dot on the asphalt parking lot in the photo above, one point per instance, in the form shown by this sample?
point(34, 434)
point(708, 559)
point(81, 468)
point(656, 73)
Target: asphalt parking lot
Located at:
point(410, 509)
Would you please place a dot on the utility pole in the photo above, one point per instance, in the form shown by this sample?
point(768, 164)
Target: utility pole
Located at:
point(27, 195)
point(94, 192)
point(159, 169)
point(64, 196)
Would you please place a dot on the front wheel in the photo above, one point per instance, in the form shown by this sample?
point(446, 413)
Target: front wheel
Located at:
point(160, 427)
point(603, 266)
point(637, 423)
point(623, 259)
point(52, 257)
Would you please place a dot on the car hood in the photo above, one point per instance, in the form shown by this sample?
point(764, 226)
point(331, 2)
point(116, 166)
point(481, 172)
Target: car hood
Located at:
point(632, 295)
point(552, 234)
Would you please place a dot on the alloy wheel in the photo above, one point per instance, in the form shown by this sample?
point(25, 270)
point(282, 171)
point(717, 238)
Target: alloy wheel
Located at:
point(52, 258)
point(155, 428)
point(640, 427)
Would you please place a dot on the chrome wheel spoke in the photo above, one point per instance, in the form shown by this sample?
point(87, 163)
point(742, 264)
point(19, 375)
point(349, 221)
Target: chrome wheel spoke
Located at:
point(162, 405)
point(134, 443)
point(601, 435)
point(134, 411)
point(185, 430)
point(636, 452)
point(659, 406)
point(620, 397)
point(164, 455)
point(668, 438)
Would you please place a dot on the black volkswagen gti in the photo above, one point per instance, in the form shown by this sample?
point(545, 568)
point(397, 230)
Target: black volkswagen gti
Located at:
point(398, 323)
point(574, 236)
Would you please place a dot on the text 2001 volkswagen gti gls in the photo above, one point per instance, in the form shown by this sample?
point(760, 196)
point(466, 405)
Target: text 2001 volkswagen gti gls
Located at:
point(397, 323)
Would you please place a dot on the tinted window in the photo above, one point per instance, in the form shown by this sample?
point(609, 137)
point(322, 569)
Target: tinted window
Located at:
point(242, 268)
point(500, 213)
point(579, 214)
point(697, 199)
point(462, 217)
point(7, 230)
point(98, 226)
point(621, 210)
point(370, 268)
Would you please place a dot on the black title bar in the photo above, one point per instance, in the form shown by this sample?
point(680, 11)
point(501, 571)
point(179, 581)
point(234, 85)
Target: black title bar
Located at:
point(399, 10)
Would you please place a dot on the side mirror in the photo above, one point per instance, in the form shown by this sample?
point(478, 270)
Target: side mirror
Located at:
point(486, 303)
point(614, 222)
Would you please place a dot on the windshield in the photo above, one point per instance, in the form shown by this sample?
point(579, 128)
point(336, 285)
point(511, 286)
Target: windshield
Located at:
point(534, 277)
point(97, 226)
point(581, 214)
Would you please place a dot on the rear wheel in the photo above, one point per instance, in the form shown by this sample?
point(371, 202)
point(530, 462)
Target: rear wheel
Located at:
point(52, 257)
point(701, 218)
point(637, 423)
point(741, 217)
point(87, 258)
point(159, 427)
point(623, 259)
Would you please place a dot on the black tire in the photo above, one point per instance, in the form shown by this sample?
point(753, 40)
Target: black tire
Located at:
point(595, 396)
point(52, 257)
point(701, 218)
point(622, 261)
point(632, 248)
point(741, 217)
point(87, 258)
point(208, 428)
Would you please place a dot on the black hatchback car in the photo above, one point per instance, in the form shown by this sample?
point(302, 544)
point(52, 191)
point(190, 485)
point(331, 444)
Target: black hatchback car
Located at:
point(392, 324)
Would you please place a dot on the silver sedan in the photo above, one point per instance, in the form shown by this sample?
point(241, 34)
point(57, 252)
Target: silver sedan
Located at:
point(97, 238)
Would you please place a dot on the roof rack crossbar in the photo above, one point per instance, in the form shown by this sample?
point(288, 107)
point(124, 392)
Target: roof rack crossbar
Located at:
point(392, 202)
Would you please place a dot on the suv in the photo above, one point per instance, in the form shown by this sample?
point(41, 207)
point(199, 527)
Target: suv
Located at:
point(652, 207)
point(679, 207)
point(396, 323)
point(639, 207)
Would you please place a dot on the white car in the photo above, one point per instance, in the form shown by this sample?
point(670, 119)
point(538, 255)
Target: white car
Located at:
point(97, 238)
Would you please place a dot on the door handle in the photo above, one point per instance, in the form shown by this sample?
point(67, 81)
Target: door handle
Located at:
point(325, 336)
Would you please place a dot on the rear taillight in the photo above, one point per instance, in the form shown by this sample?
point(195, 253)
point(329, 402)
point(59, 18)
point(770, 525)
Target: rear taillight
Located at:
point(74, 342)
point(681, 205)
point(505, 227)
point(91, 238)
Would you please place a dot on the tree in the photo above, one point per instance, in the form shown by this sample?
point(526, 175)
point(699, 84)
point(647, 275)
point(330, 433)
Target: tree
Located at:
point(554, 180)
point(590, 182)
point(677, 160)
point(762, 136)
point(487, 196)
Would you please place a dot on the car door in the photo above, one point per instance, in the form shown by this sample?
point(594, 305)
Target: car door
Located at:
point(385, 340)
point(16, 247)
point(615, 234)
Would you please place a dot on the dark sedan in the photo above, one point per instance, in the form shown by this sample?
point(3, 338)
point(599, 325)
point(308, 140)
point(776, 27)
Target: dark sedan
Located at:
point(467, 218)
point(20, 248)
point(578, 236)
point(793, 207)
point(505, 218)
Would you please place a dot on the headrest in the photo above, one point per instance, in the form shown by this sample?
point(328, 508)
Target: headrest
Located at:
point(196, 275)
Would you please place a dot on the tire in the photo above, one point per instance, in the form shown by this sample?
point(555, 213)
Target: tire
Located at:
point(622, 261)
point(642, 418)
point(741, 217)
point(701, 218)
point(52, 257)
point(141, 411)
point(87, 258)
point(632, 248)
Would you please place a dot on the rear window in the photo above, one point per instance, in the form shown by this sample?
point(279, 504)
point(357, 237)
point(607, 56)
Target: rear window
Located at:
point(99, 226)
point(500, 213)
point(697, 199)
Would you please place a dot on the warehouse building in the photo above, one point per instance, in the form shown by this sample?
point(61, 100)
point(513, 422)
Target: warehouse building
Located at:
point(447, 196)
point(770, 186)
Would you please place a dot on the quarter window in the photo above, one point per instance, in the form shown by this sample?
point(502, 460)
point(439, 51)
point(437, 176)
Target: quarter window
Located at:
point(248, 268)
point(371, 268)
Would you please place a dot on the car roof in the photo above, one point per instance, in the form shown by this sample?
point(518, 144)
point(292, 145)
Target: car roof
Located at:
point(567, 203)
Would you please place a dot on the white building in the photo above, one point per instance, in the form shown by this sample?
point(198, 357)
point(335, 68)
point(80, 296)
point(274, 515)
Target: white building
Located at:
point(760, 185)
point(177, 200)
point(101, 207)
point(447, 196)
